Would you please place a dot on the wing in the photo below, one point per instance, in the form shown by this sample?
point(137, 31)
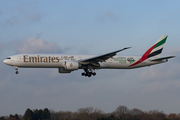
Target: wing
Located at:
point(101, 58)
point(164, 58)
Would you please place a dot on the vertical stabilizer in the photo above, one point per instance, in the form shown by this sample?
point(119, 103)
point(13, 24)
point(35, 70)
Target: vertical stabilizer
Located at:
point(153, 51)
point(158, 47)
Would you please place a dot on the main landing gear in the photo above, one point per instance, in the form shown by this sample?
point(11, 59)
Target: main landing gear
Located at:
point(88, 73)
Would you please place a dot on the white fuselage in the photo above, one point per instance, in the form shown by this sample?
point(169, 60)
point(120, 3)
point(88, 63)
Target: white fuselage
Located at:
point(58, 60)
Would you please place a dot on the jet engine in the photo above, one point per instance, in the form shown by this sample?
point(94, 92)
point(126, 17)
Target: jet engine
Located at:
point(72, 65)
point(69, 66)
point(62, 70)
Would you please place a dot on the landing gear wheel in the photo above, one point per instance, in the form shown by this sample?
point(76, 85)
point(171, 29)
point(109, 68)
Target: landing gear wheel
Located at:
point(88, 73)
point(83, 74)
point(16, 72)
point(94, 74)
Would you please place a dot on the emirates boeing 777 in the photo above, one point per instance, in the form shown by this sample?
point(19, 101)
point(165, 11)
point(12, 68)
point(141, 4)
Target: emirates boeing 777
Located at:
point(89, 63)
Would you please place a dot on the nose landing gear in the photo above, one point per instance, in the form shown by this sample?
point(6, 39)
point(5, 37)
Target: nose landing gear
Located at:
point(16, 68)
point(17, 72)
point(88, 73)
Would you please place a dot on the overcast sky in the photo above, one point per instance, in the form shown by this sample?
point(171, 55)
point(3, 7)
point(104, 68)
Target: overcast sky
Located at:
point(89, 27)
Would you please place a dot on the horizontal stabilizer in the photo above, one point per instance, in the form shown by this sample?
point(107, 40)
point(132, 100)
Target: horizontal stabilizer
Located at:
point(164, 58)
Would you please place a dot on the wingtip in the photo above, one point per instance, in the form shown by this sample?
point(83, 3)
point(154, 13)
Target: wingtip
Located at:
point(172, 56)
point(127, 47)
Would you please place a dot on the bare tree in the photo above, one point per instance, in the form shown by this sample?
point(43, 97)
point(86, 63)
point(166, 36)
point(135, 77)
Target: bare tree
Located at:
point(84, 113)
point(173, 116)
point(121, 112)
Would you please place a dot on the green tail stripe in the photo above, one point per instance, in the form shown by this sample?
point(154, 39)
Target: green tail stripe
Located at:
point(161, 42)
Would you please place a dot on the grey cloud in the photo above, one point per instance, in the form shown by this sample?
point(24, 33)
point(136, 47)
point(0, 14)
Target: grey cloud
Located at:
point(164, 20)
point(30, 15)
point(163, 77)
point(83, 51)
point(33, 17)
point(21, 15)
point(1, 46)
point(165, 85)
point(175, 51)
point(1, 12)
point(35, 45)
point(32, 45)
point(12, 21)
point(165, 71)
point(107, 16)
point(38, 35)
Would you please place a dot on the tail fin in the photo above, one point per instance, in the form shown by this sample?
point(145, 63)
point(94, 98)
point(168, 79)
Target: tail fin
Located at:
point(153, 51)
point(156, 49)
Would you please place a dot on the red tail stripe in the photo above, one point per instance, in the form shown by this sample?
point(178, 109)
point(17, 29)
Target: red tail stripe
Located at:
point(144, 57)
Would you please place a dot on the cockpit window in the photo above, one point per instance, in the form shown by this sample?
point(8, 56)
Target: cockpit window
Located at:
point(8, 58)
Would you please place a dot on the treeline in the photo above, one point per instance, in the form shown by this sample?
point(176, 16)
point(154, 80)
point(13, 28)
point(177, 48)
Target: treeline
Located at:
point(30, 115)
point(89, 113)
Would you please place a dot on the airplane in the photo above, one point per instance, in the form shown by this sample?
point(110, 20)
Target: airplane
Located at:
point(90, 63)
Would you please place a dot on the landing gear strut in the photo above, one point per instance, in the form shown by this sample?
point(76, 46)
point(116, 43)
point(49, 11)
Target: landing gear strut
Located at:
point(88, 73)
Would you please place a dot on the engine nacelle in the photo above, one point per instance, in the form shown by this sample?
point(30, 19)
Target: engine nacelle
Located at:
point(72, 65)
point(62, 70)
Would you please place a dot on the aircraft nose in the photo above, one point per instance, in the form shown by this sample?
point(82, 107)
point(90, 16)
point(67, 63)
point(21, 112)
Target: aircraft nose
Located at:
point(5, 61)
